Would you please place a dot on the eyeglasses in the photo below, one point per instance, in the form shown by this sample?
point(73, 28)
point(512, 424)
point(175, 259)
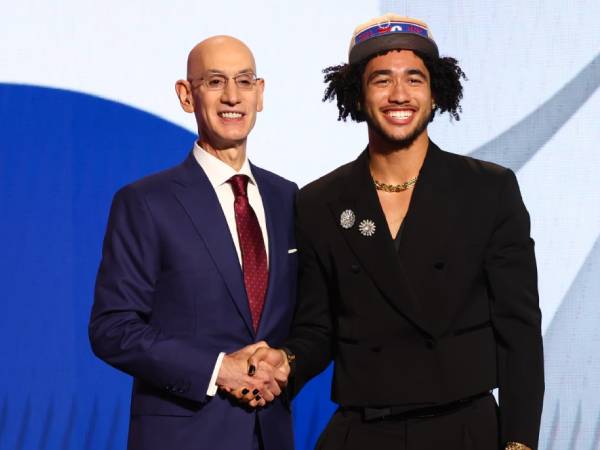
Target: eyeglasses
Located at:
point(218, 82)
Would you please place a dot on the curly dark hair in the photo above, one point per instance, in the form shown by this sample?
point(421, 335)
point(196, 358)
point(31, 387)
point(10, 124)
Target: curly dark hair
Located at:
point(344, 83)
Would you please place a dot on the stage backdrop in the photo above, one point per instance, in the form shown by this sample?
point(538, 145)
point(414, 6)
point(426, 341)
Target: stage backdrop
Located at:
point(87, 104)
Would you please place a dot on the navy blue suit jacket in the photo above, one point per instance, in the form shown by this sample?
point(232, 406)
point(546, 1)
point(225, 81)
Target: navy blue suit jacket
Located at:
point(170, 296)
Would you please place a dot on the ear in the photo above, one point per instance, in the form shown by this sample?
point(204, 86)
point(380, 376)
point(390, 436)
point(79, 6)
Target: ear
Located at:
point(183, 88)
point(260, 86)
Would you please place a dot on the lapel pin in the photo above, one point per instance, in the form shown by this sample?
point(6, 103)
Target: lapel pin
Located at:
point(347, 219)
point(367, 227)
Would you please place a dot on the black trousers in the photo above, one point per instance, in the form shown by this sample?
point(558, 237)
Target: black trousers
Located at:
point(472, 427)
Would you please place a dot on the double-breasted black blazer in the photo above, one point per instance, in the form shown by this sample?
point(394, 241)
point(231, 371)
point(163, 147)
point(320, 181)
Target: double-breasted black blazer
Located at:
point(452, 314)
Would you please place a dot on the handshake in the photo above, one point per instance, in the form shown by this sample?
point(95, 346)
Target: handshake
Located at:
point(255, 374)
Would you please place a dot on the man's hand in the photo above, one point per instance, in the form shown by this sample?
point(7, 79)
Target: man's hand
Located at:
point(256, 389)
point(271, 361)
point(275, 357)
point(233, 372)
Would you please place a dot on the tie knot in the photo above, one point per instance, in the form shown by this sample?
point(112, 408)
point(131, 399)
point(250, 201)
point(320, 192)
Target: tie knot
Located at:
point(239, 184)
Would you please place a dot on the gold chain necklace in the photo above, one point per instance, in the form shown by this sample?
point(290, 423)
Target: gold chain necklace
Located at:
point(395, 187)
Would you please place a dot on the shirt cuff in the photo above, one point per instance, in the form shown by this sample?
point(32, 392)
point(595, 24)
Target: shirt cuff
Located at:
point(212, 384)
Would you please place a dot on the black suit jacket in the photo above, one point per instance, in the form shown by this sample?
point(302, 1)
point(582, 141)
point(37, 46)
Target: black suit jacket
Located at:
point(454, 314)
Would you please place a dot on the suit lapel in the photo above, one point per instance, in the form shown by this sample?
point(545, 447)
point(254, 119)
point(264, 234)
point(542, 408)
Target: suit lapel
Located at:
point(424, 245)
point(375, 253)
point(268, 195)
point(197, 196)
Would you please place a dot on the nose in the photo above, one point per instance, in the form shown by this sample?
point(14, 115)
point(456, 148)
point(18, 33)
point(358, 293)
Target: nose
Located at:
point(398, 92)
point(230, 93)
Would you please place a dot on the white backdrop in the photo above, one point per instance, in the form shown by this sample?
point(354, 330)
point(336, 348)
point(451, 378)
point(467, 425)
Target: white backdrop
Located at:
point(531, 102)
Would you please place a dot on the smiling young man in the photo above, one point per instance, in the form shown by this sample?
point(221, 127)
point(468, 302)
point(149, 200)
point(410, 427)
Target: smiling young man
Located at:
point(196, 272)
point(417, 273)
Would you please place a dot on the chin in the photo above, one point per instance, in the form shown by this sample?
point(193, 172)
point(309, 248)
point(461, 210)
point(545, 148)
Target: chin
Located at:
point(233, 136)
point(231, 141)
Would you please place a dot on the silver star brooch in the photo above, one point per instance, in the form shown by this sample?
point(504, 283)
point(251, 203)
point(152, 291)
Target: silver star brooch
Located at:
point(367, 227)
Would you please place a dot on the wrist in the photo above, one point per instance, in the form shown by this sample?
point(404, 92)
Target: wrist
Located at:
point(289, 359)
point(223, 370)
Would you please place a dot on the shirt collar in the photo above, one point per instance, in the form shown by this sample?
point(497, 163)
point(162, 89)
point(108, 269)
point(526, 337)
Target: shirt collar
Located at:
point(217, 171)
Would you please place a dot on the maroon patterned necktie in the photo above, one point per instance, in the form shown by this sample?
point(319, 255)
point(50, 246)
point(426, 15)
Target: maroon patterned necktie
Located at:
point(254, 255)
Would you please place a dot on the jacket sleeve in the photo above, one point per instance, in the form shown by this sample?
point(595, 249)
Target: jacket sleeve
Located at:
point(512, 276)
point(311, 339)
point(121, 331)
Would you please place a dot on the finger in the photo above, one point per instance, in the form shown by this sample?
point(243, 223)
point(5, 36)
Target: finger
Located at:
point(250, 394)
point(255, 359)
point(239, 393)
point(268, 386)
point(281, 376)
point(271, 386)
point(261, 344)
point(257, 345)
point(266, 375)
point(246, 394)
point(226, 389)
point(267, 395)
point(264, 371)
point(265, 384)
point(261, 354)
point(257, 402)
point(275, 389)
point(253, 385)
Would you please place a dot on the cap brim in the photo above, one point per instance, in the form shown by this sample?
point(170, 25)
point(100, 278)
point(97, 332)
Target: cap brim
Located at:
point(392, 42)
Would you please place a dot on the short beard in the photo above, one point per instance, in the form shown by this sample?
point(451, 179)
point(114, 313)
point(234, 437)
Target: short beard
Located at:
point(399, 144)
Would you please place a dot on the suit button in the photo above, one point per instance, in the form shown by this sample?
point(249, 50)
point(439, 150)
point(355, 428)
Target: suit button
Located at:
point(355, 268)
point(430, 344)
point(439, 265)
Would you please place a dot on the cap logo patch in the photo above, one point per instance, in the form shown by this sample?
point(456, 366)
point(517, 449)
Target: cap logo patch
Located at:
point(384, 28)
point(389, 32)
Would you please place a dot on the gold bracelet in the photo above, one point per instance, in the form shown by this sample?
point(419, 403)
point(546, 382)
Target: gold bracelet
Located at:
point(516, 446)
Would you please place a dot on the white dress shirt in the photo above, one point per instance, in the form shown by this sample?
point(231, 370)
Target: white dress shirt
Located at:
point(218, 173)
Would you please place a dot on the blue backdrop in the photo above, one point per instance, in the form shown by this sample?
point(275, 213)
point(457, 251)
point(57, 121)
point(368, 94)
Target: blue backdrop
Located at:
point(59, 169)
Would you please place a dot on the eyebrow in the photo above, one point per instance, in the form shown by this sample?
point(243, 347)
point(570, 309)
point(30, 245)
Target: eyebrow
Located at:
point(379, 72)
point(220, 72)
point(390, 72)
point(416, 72)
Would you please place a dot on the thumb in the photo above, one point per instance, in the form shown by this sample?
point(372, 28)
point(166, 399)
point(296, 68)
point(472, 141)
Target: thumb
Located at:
point(259, 344)
point(259, 355)
point(251, 348)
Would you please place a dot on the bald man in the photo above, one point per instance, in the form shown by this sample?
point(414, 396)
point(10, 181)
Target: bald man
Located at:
point(198, 270)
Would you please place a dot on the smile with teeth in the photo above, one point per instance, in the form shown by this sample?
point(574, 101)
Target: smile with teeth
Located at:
point(402, 115)
point(230, 115)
